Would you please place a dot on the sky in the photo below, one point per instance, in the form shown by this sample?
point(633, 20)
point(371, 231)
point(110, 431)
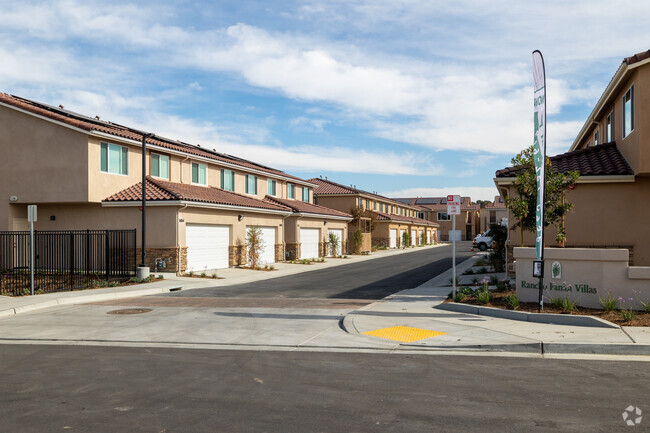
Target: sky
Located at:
point(405, 98)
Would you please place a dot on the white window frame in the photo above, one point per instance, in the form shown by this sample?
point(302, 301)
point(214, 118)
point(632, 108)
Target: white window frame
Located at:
point(305, 189)
point(596, 138)
point(609, 127)
point(226, 172)
point(629, 92)
point(199, 165)
point(443, 219)
point(291, 191)
point(159, 155)
point(272, 184)
point(108, 158)
point(251, 176)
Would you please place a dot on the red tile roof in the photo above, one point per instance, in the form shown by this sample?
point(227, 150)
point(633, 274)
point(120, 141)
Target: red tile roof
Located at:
point(381, 216)
point(438, 204)
point(602, 160)
point(304, 207)
point(327, 187)
point(637, 57)
point(498, 203)
point(92, 124)
point(160, 190)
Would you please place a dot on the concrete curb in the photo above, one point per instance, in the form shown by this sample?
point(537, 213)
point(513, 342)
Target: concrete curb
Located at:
point(85, 298)
point(551, 319)
point(596, 349)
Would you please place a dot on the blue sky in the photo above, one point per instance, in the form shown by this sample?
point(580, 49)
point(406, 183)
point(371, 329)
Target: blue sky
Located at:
point(400, 97)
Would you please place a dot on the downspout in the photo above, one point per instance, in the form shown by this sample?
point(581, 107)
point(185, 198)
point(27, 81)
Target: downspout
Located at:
point(284, 239)
point(178, 244)
point(182, 161)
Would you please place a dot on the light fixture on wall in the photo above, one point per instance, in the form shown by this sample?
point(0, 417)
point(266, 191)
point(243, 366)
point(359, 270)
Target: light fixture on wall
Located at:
point(324, 223)
point(52, 217)
point(240, 217)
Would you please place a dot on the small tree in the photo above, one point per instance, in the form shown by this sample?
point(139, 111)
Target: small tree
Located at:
point(255, 245)
point(406, 239)
point(499, 235)
point(333, 243)
point(357, 240)
point(423, 238)
point(523, 203)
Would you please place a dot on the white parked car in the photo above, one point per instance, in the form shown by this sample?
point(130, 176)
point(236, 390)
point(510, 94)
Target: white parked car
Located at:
point(483, 241)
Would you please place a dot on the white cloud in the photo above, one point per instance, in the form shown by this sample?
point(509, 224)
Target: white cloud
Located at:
point(474, 192)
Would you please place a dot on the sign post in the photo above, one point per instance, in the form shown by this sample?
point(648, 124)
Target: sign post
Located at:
point(539, 145)
point(31, 217)
point(453, 209)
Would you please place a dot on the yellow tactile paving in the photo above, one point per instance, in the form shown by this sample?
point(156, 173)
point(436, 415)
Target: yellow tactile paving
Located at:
point(403, 334)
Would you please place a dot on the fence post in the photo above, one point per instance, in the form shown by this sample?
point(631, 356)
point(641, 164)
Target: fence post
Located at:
point(106, 259)
point(87, 253)
point(71, 259)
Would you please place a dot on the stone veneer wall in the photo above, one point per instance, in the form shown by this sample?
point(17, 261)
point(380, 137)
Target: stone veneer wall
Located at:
point(293, 251)
point(169, 255)
point(376, 242)
point(322, 249)
point(279, 252)
point(237, 255)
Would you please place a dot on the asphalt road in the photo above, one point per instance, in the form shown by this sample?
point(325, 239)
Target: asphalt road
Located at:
point(118, 389)
point(372, 279)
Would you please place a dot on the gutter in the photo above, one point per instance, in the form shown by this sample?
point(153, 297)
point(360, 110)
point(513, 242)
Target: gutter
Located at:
point(196, 204)
point(628, 178)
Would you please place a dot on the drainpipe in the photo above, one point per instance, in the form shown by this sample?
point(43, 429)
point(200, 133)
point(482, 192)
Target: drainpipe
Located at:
point(182, 161)
point(144, 201)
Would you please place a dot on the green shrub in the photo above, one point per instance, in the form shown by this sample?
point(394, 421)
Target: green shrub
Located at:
point(475, 281)
point(469, 272)
point(191, 274)
point(609, 303)
point(271, 267)
point(459, 296)
point(203, 275)
point(501, 286)
point(113, 283)
point(628, 315)
point(467, 291)
point(214, 275)
point(134, 280)
point(161, 277)
point(255, 245)
point(568, 305)
point(555, 302)
point(333, 243)
point(645, 306)
point(484, 296)
point(494, 280)
point(482, 270)
point(512, 302)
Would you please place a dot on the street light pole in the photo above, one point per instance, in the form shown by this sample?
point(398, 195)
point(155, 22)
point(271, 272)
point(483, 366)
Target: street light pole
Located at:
point(144, 199)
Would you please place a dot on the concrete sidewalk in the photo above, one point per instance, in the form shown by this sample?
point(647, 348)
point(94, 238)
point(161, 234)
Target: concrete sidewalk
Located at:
point(10, 305)
point(471, 332)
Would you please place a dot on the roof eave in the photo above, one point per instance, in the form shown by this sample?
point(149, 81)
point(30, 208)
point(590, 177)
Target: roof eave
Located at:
point(190, 203)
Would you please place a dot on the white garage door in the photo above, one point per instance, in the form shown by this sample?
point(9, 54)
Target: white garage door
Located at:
point(393, 238)
point(309, 243)
point(428, 236)
point(454, 234)
point(414, 235)
point(267, 255)
point(420, 237)
point(339, 234)
point(207, 246)
point(401, 236)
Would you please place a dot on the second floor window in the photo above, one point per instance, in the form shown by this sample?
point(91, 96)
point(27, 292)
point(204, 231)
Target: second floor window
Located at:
point(305, 194)
point(199, 173)
point(160, 166)
point(360, 203)
point(271, 187)
point(628, 112)
point(227, 180)
point(251, 184)
point(442, 216)
point(596, 138)
point(609, 128)
point(291, 191)
point(114, 159)
point(374, 205)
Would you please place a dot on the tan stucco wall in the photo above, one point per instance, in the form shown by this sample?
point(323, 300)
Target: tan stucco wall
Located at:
point(604, 214)
point(586, 276)
point(42, 162)
point(341, 203)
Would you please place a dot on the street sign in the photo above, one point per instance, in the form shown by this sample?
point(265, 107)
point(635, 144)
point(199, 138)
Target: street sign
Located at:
point(453, 205)
point(31, 213)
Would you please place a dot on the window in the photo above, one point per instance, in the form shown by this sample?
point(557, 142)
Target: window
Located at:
point(114, 159)
point(588, 144)
point(442, 216)
point(367, 204)
point(291, 191)
point(227, 179)
point(199, 173)
point(374, 205)
point(421, 215)
point(251, 184)
point(271, 186)
point(628, 112)
point(493, 216)
point(305, 194)
point(609, 127)
point(160, 166)
point(359, 203)
point(596, 138)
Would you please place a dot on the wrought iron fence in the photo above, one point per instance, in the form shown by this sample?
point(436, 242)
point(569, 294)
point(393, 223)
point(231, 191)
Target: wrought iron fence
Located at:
point(65, 260)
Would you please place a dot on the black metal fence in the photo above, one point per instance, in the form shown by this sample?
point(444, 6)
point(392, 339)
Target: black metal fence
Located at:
point(65, 260)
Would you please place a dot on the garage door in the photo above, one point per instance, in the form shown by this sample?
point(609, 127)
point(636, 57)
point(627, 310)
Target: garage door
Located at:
point(309, 243)
point(401, 236)
point(339, 234)
point(267, 255)
point(207, 246)
point(393, 238)
point(428, 236)
point(420, 237)
point(414, 235)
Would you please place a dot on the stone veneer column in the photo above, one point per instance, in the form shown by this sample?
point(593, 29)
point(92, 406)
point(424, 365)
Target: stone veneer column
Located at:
point(279, 252)
point(293, 251)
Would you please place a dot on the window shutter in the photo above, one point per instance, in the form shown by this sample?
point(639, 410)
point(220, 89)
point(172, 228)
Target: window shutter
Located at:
point(223, 183)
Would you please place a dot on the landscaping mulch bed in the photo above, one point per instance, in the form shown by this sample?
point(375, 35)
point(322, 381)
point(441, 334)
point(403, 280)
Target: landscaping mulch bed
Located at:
point(641, 318)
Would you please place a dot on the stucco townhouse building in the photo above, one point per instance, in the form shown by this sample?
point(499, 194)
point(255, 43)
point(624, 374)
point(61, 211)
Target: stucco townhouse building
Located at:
point(612, 154)
point(435, 209)
point(85, 173)
point(493, 213)
point(382, 221)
